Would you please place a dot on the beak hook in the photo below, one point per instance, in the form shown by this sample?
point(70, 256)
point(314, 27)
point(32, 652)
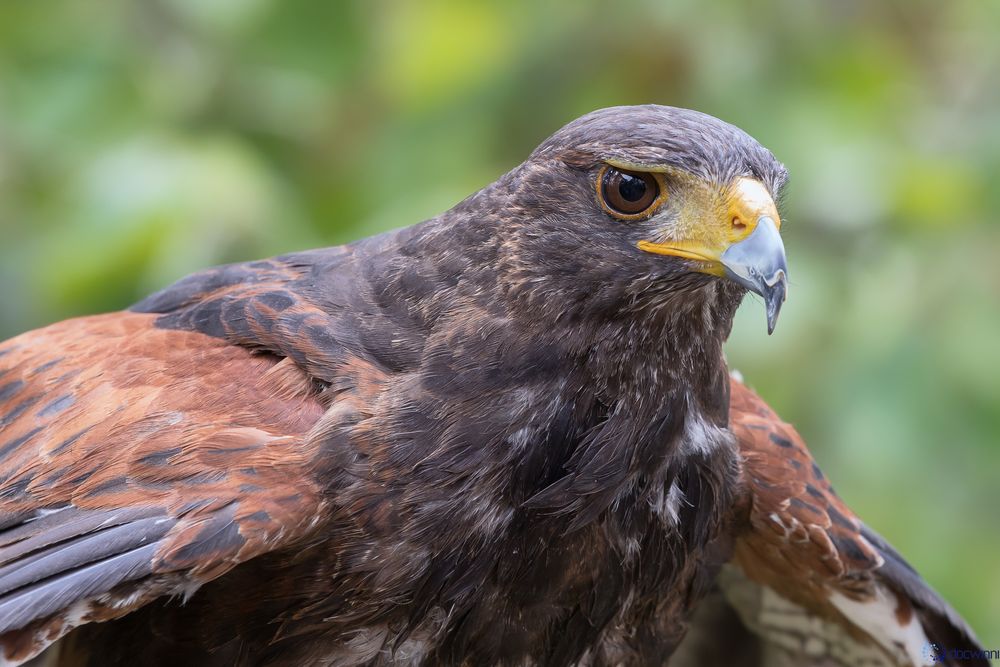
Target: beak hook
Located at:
point(758, 263)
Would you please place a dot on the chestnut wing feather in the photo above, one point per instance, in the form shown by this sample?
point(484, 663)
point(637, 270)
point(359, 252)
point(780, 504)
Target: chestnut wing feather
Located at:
point(136, 462)
point(808, 577)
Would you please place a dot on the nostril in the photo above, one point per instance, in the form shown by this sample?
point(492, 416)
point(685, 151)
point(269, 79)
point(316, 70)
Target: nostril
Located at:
point(738, 224)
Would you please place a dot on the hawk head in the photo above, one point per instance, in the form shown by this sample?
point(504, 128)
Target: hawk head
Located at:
point(629, 206)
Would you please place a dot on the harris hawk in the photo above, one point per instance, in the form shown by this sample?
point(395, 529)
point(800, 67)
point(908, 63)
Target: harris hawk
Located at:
point(506, 435)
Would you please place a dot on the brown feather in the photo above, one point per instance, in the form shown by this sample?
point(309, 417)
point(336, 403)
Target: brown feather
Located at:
point(208, 436)
point(797, 548)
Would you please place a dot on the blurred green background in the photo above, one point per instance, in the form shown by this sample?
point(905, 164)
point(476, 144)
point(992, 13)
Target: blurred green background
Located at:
point(140, 141)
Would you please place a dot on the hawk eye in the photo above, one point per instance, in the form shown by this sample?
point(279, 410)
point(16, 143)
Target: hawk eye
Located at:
point(629, 195)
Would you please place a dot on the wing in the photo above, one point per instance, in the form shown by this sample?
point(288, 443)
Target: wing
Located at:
point(143, 454)
point(138, 461)
point(809, 583)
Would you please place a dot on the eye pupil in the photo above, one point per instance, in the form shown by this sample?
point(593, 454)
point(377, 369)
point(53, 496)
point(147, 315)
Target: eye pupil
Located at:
point(631, 188)
point(628, 195)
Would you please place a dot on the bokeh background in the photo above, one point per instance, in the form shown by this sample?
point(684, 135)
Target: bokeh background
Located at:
point(140, 141)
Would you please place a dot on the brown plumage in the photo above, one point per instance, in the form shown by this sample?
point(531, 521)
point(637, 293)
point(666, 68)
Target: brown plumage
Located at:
point(175, 453)
point(809, 584)
point(506, 435)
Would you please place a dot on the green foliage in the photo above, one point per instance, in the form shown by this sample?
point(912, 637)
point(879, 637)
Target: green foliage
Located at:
point(140, 141)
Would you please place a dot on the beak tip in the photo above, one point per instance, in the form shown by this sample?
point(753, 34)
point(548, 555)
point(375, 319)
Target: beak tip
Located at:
point(774, 296)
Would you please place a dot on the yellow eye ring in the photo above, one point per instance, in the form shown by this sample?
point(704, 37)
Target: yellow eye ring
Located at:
point(629, 195)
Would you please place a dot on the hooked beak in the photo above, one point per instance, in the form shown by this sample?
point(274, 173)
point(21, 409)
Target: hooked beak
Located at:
point(758, 263)
point(742, 244)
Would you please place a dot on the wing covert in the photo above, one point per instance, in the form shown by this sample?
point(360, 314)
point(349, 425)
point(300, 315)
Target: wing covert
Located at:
point(808, 579)
point(138, 461)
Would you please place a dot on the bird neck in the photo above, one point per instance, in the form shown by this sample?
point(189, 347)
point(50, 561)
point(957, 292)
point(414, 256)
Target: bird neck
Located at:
point(641, 335)
point(661, 344)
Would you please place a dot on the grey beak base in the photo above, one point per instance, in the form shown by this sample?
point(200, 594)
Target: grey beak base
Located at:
point(758, 263)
